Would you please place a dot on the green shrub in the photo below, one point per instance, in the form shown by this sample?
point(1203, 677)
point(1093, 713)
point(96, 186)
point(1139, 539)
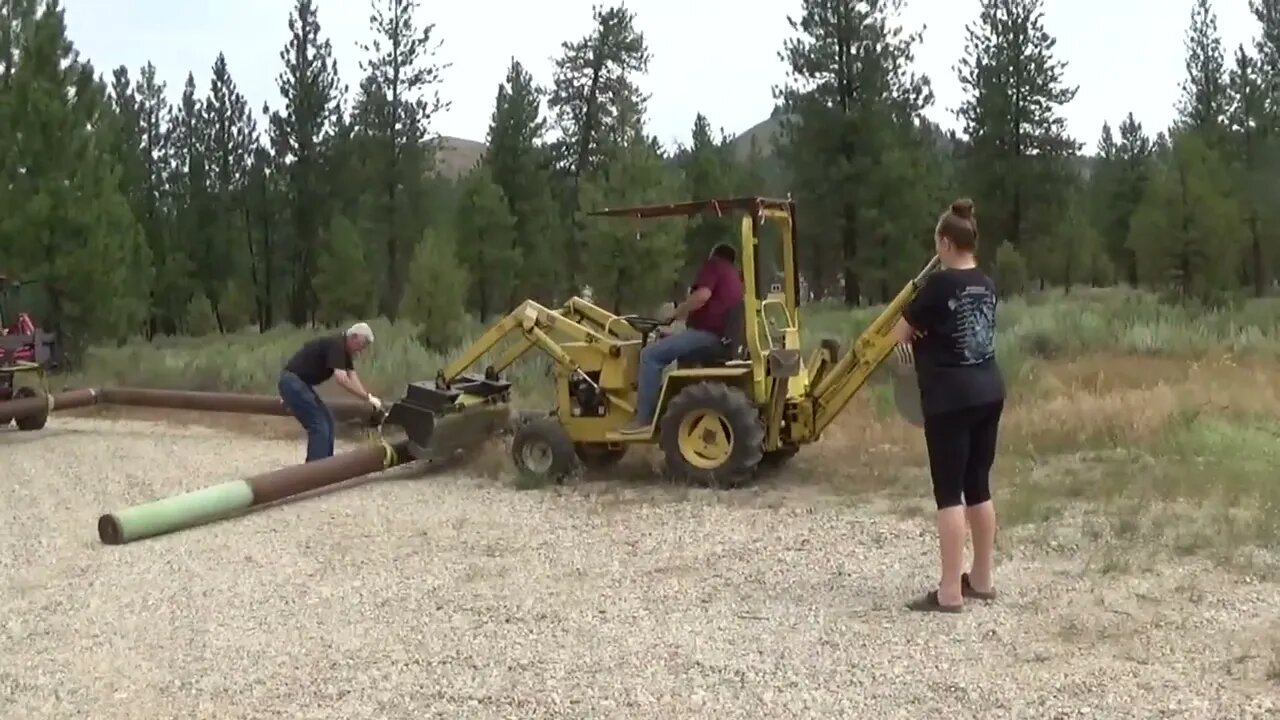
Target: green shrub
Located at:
point(1037, 326)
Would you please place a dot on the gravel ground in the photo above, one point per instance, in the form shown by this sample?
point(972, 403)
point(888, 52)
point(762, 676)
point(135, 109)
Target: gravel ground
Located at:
point(416, 596)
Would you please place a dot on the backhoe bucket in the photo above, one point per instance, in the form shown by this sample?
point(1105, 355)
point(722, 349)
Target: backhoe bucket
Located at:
point(906, 396)
point(440, 424)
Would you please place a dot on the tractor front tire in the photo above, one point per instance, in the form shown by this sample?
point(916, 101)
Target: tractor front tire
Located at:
point(711, 434)
point(30, 422)
point(542, 451)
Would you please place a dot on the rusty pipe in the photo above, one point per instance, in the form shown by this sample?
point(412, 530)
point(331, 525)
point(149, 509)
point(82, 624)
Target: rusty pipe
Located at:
point(198, 507)
point(343, 409)
point(38, 404)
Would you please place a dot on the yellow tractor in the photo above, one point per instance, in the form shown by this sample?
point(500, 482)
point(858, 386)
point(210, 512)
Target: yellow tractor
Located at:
point(754, 400)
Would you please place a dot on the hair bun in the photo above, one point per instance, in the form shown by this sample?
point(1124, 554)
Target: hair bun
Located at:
point(963, 208)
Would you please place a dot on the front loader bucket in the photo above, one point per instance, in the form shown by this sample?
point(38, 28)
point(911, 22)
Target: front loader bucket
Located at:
point(461, 432)
point(439, 424)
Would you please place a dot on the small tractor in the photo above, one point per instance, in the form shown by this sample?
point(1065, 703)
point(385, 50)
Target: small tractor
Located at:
point(752, 401)
point(25, 350)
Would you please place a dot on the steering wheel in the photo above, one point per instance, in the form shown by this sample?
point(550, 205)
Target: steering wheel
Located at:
point(646, 326)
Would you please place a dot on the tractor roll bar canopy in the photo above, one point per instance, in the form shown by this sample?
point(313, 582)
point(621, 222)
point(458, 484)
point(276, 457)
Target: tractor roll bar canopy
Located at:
point(759, 209)
point(719, 207)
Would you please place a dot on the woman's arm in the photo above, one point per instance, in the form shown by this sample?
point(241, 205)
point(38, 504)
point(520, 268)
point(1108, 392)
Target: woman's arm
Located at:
point(903, 332)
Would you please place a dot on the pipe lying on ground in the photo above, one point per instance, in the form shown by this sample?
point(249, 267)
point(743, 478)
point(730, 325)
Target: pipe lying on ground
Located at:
point(198, 507)
point(38, 404)
point(343, 408)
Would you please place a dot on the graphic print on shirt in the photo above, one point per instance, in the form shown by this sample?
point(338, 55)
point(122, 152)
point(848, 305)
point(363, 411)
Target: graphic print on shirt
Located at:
point(974, 311)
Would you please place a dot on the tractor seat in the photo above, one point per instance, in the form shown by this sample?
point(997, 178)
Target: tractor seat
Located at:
point(709, 356)
point(732, 347)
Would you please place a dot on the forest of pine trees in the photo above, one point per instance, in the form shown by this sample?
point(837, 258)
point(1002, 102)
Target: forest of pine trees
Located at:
point(140, 216)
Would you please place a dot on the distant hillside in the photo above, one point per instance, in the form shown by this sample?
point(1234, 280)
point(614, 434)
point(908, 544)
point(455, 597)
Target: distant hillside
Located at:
point(765, 133)
point(458, 155)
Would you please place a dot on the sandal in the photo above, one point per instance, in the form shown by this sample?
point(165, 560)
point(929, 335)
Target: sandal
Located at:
point(929, 603)
point(967, 589)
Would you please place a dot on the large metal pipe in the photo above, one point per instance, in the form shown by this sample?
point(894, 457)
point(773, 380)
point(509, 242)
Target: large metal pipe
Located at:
point(198, 507)
point(38, 404)
point(343, 408)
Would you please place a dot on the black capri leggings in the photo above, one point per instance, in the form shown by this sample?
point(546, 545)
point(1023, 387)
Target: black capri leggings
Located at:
point(962, 446)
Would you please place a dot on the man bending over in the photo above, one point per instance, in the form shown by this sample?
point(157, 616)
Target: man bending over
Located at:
point(315, 362)
point(716, 290)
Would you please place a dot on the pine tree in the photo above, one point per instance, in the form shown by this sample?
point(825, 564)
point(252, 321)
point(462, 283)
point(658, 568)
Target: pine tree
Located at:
point(344, 280)
point(437, 289)
point(485, 233)
point(146, 105)
point(193, 251)
point(1074, 246)
point(1018, 155)
point(594, 95)
point(128, 148)
point(708, 173)
point(231, 137)
point(520, 165)
point(1203, 104)
point(264, 212)
point(398, 99)
point(63, 217)
point(633, 264)
point(1255, 178)
point(851, 99)
point(17, 17)
point(1116, 187)
point(1267, 49)
point(1187, 233)
point(311, 92)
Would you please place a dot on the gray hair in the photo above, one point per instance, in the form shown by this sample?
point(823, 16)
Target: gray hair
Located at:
point(361, 330)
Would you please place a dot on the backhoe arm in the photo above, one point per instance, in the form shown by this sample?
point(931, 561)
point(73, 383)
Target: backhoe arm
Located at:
point(839, 384)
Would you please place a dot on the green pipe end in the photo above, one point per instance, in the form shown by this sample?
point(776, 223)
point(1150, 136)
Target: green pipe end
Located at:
point(109, 530)
point(174, 513)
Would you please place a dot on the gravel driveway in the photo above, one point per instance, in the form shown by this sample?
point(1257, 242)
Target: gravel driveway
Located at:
point(421, 596)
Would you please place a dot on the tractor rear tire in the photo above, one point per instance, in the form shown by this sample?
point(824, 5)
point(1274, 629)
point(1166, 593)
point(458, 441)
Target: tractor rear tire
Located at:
point(30, 422)
point(711, 434)
point(600, 456)
point(542, 451)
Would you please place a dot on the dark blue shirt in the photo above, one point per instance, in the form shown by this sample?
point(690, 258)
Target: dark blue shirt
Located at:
point(956, 356)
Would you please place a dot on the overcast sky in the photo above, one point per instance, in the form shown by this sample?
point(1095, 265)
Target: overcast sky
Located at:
point(718, 57)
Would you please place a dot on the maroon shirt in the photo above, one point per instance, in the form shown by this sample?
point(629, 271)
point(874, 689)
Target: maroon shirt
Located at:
point(720, 277)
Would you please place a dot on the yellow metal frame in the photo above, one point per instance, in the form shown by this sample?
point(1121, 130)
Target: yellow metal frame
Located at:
point(838, 385)
point(584, 340)
point(25, 367)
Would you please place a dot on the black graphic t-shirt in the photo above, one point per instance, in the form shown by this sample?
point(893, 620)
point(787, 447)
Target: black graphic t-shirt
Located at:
point(956, 357)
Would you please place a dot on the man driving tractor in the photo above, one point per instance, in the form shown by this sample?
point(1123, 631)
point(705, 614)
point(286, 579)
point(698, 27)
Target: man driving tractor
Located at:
point(716, 290)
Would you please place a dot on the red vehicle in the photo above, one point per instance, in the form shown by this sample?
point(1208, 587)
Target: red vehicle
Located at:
point(24, 348)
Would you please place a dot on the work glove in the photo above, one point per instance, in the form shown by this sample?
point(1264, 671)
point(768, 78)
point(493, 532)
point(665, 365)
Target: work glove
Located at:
point(375, 402)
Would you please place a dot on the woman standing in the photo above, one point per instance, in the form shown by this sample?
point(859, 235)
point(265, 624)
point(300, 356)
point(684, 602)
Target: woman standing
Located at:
point(951, 328)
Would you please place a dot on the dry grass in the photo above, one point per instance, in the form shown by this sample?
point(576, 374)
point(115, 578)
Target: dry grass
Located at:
point(1106, 454)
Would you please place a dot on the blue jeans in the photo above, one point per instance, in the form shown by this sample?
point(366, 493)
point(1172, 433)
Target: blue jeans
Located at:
point(655, 358)
point(302, 400)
